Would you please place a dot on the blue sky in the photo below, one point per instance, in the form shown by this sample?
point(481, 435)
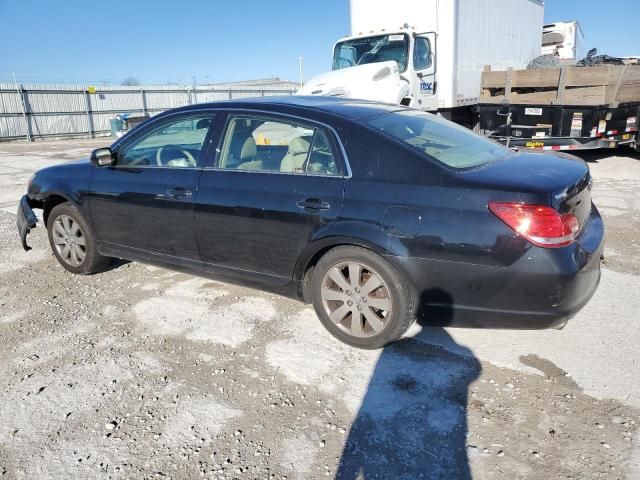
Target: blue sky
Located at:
point(159, 41)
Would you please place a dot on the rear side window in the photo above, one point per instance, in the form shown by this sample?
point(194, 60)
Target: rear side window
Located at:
point(269, 145)
point(451, 144)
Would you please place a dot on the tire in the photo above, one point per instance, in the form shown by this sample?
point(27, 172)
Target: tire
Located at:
point(67, 228)
point(345, 299)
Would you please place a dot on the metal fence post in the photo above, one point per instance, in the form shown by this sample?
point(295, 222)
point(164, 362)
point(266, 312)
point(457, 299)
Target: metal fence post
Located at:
point(89, 118)
point(143, 99)
point(23, 103)
point(230, 95)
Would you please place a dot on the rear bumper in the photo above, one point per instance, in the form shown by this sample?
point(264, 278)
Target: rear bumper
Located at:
point(26, 220)
point(542, 289)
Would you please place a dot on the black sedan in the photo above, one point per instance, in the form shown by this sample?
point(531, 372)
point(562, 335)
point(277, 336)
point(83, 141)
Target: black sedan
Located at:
point(376, 213)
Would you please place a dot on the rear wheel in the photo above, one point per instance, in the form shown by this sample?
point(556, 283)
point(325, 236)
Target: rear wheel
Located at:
point(361, 298)
point(72, 241)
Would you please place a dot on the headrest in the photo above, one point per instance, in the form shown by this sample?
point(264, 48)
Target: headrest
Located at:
point(249, 150)
point(299, 145)
point(203, 123)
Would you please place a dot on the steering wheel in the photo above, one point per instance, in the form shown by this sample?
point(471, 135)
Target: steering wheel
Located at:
point(182, 154)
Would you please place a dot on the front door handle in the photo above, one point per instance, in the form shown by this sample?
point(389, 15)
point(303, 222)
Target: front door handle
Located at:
point(178, 192)
point(313, 204)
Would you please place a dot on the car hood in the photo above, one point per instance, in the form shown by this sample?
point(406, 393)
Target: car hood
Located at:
point(559, 175)
point(65, 166)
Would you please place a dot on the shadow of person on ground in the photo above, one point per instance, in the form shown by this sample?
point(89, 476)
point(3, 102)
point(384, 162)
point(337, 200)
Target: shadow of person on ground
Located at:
point(412, 422)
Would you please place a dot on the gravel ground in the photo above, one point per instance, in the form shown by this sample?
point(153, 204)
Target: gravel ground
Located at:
point(141, 372)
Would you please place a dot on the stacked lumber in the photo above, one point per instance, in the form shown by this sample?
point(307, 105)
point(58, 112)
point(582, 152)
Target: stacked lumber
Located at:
point(584, 86)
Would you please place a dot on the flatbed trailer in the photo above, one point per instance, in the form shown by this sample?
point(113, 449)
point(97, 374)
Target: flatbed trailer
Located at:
point(572, 108)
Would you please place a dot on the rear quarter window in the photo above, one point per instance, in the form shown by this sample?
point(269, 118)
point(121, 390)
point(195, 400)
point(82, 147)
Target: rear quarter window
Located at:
point(377, 159)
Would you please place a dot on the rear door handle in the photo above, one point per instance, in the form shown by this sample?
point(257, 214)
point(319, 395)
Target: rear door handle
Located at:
point(313, 204)
point(178, 192)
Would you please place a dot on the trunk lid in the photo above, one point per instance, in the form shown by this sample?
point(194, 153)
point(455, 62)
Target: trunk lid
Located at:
point(562, 179)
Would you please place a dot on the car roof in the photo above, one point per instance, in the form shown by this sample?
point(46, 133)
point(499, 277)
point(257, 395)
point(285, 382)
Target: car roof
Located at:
point(343, 107)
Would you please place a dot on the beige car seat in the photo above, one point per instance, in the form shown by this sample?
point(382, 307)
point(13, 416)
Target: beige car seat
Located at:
point(248, 156)
point(296, 155)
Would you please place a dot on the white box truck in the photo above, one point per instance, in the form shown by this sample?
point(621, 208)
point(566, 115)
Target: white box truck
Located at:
point(430, 54)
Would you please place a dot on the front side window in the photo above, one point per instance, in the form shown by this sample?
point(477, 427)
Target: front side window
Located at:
point(422, 54)
point(380, 48)
point(175, 143)
point(451, 144)
point(266, 145)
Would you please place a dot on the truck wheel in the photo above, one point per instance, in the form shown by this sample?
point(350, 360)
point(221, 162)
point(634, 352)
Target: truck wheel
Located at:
point(361, 298)
point(72, 241)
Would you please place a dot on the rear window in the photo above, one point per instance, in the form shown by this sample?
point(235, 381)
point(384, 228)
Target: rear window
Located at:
point(441, 139)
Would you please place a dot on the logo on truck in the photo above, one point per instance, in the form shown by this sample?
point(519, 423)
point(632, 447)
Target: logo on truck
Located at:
point(426, 87)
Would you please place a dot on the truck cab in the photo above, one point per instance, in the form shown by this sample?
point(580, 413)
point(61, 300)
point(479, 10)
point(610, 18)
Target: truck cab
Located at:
point(414, 54)
point(429, 54)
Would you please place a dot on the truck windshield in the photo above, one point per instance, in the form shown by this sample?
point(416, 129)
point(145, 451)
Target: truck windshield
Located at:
point(445, 141)
point(381, 48)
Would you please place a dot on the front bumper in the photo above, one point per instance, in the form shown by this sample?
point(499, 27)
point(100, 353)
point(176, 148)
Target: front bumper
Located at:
point(26, 221)
point(543, 289)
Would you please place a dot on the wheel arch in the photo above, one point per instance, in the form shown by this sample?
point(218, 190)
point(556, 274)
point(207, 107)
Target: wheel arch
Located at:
point(316, 250)
point(53, 200)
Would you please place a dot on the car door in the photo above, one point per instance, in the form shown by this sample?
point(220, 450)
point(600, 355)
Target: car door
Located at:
point(275, 184)
point(144, 203)
point(424, 67)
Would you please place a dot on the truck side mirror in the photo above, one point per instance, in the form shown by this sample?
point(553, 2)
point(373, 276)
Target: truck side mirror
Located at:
point(103, 157)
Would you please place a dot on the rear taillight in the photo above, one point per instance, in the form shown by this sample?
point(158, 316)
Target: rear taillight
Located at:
point(541, 225)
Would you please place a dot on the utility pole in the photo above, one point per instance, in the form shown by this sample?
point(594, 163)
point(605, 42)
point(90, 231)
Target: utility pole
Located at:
point(301, 72)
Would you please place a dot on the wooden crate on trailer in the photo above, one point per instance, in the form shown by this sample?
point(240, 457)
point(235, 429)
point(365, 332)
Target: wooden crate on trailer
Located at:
point(572, 86)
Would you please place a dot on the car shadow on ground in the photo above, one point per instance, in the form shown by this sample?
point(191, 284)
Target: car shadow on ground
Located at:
point(115, 264)
point(412, 422)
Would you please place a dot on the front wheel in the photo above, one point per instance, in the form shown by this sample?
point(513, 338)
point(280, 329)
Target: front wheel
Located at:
point(361, 298)
point(72, 241)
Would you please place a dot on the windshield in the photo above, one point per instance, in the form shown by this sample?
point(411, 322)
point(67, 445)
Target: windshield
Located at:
point(381, 48)
point(445, 141)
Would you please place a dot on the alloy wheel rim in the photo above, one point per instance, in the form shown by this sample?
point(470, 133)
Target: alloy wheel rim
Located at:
point(356, 299)
point(69, 241)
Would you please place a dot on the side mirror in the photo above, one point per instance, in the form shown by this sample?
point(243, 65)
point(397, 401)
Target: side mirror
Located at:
point(103, 157)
